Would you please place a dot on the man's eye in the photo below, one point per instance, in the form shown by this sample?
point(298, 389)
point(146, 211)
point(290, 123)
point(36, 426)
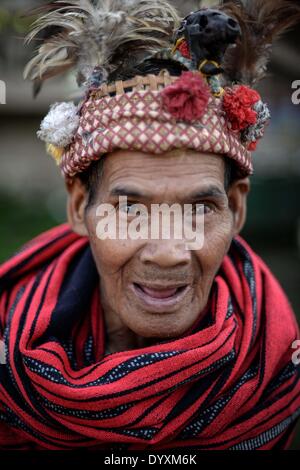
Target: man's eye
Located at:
point(132, 209)
point(204, 208)
point(208, 208)
point(127, 208)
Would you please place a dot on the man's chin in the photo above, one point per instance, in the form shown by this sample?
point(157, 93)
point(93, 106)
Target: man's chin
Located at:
point(160, 326)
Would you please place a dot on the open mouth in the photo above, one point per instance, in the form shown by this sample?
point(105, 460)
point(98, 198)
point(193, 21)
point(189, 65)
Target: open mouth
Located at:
point(161, 297)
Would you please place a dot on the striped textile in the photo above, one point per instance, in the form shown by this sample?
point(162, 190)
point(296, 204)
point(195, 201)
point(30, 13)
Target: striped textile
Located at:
point(227, 383)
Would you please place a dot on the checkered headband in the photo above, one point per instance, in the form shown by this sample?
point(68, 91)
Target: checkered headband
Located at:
point(131, 115)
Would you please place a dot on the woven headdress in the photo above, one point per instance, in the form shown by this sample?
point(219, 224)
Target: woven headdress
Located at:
point(197, 94)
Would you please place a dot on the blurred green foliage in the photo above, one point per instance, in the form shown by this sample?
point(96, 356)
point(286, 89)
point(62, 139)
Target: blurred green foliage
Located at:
point(21, 221)
point(15, 21)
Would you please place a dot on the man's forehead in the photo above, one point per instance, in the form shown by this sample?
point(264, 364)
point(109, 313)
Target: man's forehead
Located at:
point(182, 168)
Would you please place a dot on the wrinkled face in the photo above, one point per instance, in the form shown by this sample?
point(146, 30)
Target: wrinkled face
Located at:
point(158, 288)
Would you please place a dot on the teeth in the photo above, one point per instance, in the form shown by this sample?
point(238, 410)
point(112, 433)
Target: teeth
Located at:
point(160, 294)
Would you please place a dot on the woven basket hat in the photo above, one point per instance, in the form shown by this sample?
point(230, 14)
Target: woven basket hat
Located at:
point(210, 106)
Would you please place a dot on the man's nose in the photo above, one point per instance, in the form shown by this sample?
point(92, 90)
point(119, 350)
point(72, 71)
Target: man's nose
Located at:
point(166, 254)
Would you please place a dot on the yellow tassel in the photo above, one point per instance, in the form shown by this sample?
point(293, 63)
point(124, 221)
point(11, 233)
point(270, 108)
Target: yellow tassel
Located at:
point(55, 152)
point(178, 42)
point(220, 93)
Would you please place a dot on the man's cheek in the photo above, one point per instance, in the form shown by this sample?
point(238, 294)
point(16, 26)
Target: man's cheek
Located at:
point(112, 256)
point(218, 237)
point(108, 256)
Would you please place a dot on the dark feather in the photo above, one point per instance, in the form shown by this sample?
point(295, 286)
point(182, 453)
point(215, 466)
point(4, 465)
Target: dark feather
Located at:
point(262, 23)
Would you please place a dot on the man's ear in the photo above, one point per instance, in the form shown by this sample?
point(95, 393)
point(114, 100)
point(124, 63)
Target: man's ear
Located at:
point(76, 204)
point(237, 197)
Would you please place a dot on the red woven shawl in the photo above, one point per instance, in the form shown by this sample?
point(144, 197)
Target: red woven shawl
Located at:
point(227, 383)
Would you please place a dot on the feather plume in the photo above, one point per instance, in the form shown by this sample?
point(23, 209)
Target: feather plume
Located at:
point(262, 23)
point(102, 34)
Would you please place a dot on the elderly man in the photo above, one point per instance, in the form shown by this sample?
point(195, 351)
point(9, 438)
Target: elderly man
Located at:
point(130, 342)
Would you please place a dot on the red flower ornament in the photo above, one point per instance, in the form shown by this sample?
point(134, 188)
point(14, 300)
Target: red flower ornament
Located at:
point(238, 103)
point(187, 98)
point(252, 146)
point(184, 50)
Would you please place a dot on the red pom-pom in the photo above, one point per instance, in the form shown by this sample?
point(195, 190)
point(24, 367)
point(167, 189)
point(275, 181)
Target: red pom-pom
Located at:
point(184, 50)
point(252, 146)
point(187, 98)
point(237, 103)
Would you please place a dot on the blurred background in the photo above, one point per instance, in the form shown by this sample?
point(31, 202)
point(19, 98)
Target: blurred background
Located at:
point(32, 193)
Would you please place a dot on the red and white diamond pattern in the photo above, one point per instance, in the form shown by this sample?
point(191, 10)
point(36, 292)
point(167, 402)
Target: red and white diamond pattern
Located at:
point(137, 121)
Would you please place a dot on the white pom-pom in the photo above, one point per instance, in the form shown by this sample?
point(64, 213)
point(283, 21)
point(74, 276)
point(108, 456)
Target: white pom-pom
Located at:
point(60, 125)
